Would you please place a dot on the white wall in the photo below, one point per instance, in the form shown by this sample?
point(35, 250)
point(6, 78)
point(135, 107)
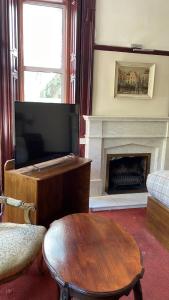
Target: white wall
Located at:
point(104, 102)
point(121, 23)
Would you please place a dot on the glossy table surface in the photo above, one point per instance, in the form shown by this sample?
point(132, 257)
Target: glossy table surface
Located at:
point(92, 254)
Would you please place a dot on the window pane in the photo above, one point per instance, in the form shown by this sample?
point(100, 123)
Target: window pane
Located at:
point(42, 32)
point(43, 87)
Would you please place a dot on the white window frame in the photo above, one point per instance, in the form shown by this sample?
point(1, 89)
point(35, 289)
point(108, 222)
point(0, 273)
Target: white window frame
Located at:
point(51, 70)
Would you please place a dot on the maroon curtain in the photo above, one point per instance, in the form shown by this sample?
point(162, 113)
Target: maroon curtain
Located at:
point(82, 24)
point(85, 64)
point(8, 78)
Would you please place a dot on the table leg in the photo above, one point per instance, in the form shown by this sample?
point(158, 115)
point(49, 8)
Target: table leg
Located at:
point(138, 291)
point(64, 293)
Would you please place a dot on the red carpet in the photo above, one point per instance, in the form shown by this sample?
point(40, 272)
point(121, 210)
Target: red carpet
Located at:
point(155, 283)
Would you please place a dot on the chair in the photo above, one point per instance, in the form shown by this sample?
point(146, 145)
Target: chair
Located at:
point(19, 243)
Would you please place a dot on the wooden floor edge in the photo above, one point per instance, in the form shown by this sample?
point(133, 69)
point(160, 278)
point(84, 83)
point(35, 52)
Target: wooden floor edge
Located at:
point(157, 221)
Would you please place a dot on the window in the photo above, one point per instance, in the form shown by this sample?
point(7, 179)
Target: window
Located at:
point(43, 52)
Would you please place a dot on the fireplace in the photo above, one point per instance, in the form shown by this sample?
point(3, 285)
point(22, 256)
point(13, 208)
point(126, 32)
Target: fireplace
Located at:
point(124, 135)
point(127, 173)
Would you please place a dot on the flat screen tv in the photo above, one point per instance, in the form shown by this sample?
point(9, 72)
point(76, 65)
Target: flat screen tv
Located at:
point(45, 131)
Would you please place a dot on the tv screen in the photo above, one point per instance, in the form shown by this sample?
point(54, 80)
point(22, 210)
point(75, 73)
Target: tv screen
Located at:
point(45, 131)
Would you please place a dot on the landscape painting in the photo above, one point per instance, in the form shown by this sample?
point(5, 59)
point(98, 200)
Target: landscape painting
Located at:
point(134, 80)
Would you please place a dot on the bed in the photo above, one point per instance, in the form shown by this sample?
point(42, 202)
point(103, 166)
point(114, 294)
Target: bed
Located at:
point(158, 206)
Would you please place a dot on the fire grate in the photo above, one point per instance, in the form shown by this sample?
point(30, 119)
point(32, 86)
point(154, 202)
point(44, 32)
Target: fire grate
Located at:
point(127, 173)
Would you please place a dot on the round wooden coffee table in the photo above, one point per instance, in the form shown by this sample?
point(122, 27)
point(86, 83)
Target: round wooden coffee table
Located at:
point(91, 256)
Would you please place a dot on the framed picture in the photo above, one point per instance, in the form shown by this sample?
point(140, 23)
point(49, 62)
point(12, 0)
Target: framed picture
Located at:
point(134, 80)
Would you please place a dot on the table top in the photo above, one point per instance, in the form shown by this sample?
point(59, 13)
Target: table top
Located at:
point(92, 254)
point(48, 168)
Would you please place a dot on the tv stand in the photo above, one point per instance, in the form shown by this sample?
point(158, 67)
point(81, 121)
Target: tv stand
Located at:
point(57, 188)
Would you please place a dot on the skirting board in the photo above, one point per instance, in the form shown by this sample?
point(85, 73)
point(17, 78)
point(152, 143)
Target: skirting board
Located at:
point(118, 201)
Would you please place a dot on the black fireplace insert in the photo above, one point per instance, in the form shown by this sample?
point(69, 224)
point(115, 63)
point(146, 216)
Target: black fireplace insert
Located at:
point(127, 173)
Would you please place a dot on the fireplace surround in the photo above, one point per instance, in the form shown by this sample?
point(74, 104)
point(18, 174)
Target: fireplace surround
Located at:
point(124, 135)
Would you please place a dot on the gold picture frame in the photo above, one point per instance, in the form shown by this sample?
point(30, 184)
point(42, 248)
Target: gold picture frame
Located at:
point(134, 80)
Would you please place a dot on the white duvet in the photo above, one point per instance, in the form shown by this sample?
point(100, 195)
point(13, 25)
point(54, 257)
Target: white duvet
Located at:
point(158, 186)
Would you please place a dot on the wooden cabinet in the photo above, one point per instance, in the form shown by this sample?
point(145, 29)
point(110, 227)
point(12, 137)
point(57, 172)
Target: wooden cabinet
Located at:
point(57, 188)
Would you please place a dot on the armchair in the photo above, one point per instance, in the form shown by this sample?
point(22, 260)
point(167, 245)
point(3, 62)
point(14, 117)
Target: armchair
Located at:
point(19, 243)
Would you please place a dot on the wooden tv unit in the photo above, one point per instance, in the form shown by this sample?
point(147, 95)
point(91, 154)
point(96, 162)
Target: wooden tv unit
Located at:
point(57, 188)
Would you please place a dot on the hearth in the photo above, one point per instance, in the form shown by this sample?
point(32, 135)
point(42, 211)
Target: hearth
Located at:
point(127, 173)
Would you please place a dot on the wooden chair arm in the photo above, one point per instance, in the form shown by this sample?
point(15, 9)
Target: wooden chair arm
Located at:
point(27, 207)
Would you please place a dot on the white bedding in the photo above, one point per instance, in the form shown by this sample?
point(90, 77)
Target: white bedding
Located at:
point(158, 186)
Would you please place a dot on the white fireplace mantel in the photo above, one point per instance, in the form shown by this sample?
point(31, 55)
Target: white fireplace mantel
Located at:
point(119, 135)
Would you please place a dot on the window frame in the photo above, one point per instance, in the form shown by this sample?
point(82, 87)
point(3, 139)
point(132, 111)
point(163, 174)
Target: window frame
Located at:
point(57, 4)
point(80, 28)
